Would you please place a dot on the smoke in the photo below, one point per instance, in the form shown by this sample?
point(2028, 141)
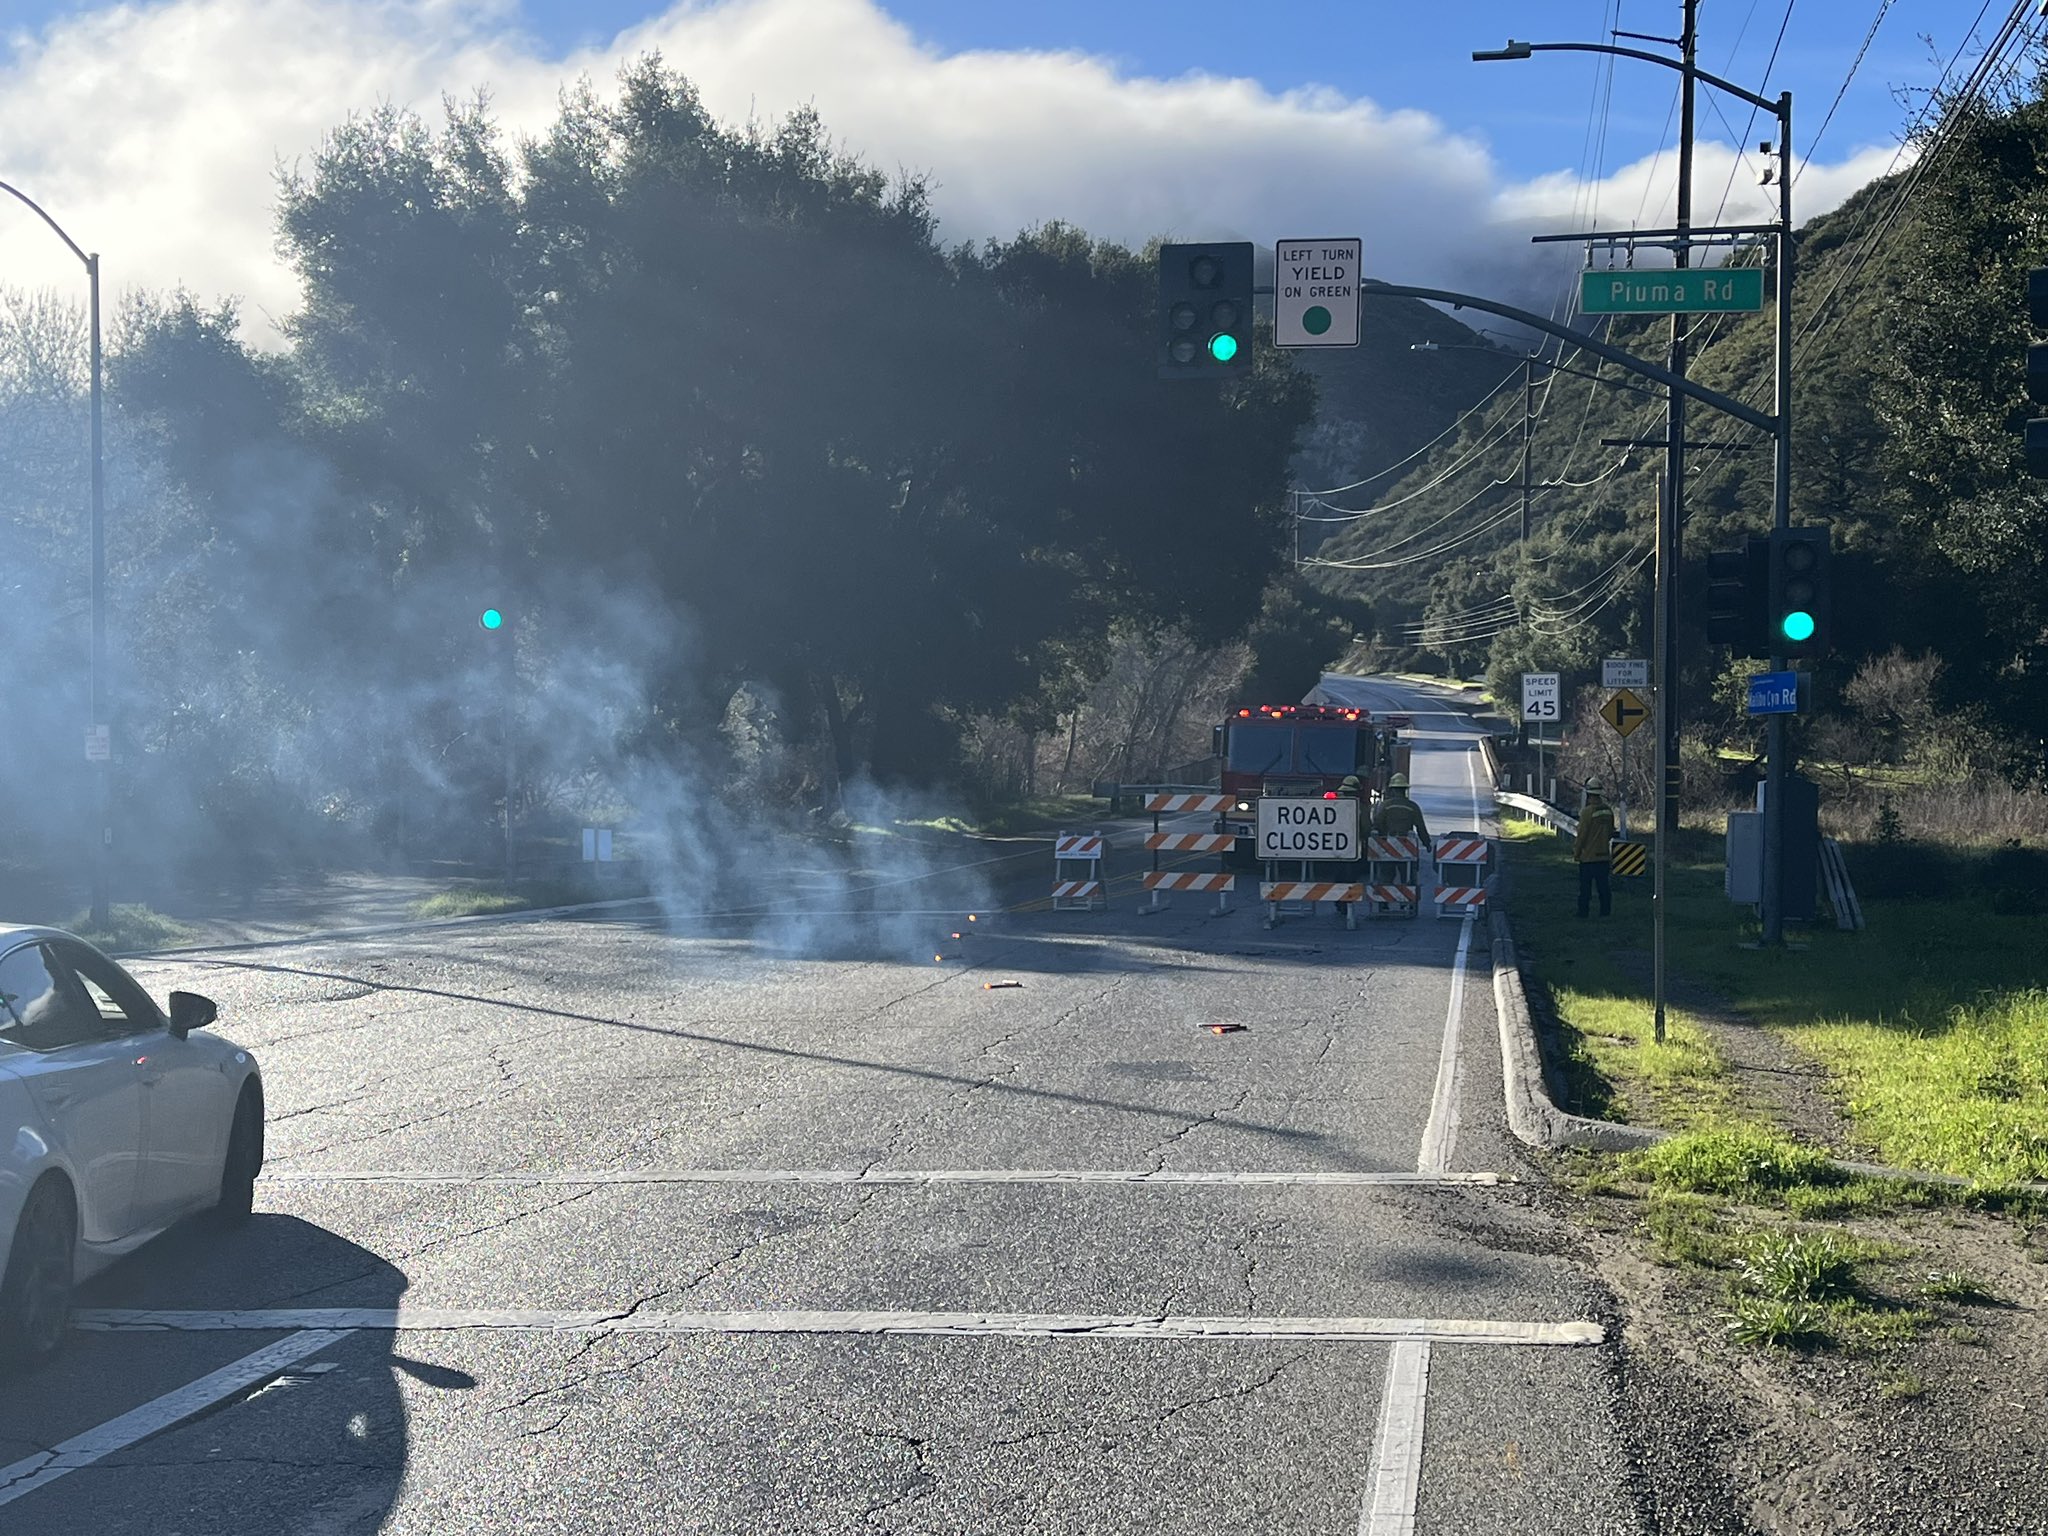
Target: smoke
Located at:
point(298, 682)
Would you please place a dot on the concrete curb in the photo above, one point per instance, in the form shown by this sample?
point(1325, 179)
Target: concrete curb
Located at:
point(1539, 1123)
point(1531, 1115)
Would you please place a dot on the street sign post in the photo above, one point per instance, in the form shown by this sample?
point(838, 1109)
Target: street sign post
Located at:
point(1774, 693)
point(1619, 672)
point(1541, 706)
point(1315, 292)
point(1626, 712)
point(1671, 290)
point(1297, 827)
point(99, 744)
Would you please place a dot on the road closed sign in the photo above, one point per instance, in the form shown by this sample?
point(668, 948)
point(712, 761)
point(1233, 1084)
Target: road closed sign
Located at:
point(1307, 829)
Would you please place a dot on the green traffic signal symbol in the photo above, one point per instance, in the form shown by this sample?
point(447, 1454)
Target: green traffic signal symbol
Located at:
point(491, 619)
point(1223, 346)
point(1797, 625)
point(1315, 320)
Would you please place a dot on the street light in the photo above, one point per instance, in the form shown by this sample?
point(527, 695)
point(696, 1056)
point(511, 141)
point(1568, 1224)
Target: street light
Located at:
point(96, 745)
point(1670, 514)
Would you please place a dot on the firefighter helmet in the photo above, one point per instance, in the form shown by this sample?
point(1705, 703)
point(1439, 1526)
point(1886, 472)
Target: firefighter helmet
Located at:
point(1398, 781)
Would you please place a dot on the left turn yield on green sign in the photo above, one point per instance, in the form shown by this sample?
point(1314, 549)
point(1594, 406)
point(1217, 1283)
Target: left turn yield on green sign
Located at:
point(1315, 292)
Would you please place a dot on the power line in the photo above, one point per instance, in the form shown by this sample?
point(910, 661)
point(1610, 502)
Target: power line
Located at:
point(1946, 135)
point(1750, 122)
point(1351, 514)
point(1478, 405)
point(1883, 9)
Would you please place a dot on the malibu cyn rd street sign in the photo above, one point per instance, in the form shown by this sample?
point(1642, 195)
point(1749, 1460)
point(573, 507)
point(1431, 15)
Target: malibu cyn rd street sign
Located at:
point(1774, 693)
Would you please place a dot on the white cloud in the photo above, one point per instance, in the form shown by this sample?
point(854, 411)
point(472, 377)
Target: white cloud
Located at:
point(152, 132)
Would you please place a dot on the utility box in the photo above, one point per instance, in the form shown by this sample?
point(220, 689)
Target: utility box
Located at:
point(1743, 877)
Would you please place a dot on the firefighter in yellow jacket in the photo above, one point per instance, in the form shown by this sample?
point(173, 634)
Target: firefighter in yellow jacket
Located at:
point(1396, 815)
point(1594, 850)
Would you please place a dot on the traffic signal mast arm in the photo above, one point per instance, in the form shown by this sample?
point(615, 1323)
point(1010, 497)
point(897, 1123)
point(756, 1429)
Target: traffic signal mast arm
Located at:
point(1727, 404)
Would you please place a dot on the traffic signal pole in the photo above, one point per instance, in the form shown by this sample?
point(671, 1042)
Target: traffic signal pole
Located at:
point(1778, 424)
point(1670, 534)
point(1781, 518)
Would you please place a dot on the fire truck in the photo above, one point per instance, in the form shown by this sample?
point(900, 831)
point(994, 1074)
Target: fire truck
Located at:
point(1302, 749)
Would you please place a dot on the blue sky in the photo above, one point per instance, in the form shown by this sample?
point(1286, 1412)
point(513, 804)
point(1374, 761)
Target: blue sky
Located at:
point(1533, 115)
point(156, 127)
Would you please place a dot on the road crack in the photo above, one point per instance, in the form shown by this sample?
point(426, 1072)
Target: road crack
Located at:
point(1159, 1150)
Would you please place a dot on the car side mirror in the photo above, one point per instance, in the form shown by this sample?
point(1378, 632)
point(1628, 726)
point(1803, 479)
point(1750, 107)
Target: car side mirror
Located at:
point(190, 1011)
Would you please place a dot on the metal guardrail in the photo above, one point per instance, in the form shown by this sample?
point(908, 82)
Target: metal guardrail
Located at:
point(1538, 810)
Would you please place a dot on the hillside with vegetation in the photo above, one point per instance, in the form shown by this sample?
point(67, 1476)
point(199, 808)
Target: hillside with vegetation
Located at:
point(1908, 408)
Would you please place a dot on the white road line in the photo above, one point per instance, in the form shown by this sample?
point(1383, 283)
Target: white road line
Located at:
point(1397, 1448)
point(909, 1176)
point(1440, 1135)
point(1003, 1324)
point(1396, 1478)
point(173, 1408)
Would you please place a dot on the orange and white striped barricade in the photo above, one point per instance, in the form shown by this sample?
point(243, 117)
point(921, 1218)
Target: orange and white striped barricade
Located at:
point(1077, 884)
point(1179, 803)
point(1393, 874)
point(1302, 895)
point(1464, 863)
point(1157, 879)
point(1169, 804)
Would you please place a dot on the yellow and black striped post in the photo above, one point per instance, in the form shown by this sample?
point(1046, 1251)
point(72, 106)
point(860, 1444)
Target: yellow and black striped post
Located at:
point(1629, 858)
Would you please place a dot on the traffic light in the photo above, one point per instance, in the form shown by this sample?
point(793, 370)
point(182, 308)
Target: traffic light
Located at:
point(1738, 593)
point(490, 618)
point(2037, 372)
point(1205, 310)
point(1799, 592)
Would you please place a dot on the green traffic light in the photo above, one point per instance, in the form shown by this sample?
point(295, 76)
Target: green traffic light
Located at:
point(1223, 347)
point(491, 619)
point(1796, 626)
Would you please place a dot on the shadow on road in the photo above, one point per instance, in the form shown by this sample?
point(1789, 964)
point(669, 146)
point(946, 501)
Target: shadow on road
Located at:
point(320, 1444)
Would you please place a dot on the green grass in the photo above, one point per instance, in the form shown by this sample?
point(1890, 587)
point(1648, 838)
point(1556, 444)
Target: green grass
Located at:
point(1932, 1023)
point(1046, 813)
point(1735, 1160)
point(1902, 1387)
point(1965, 1092)
point(1959, 1287)
point(1686, 1231)
point(1797, 1266)
point(479, 899)
point(131, 929)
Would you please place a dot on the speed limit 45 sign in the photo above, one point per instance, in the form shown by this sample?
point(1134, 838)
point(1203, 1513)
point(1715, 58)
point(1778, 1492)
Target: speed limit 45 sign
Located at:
point(1540, 694)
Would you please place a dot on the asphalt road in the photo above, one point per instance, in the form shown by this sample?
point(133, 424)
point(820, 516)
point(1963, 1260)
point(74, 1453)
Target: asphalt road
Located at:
point(836, 1225)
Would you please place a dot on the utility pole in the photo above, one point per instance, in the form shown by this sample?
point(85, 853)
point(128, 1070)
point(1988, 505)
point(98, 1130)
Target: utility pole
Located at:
point(1671, 501)
point(1671, 544)
point(1781, 517)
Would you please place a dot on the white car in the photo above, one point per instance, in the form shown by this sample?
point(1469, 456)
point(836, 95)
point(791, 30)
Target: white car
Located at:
point(116, 1120)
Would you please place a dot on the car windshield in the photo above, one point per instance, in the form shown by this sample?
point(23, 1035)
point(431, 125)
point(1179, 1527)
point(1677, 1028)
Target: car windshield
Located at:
point(1257, 747)
point(1327, 749)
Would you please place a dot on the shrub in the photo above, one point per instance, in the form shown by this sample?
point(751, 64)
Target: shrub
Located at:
point(1774, 1324)
point(1796, 1266)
